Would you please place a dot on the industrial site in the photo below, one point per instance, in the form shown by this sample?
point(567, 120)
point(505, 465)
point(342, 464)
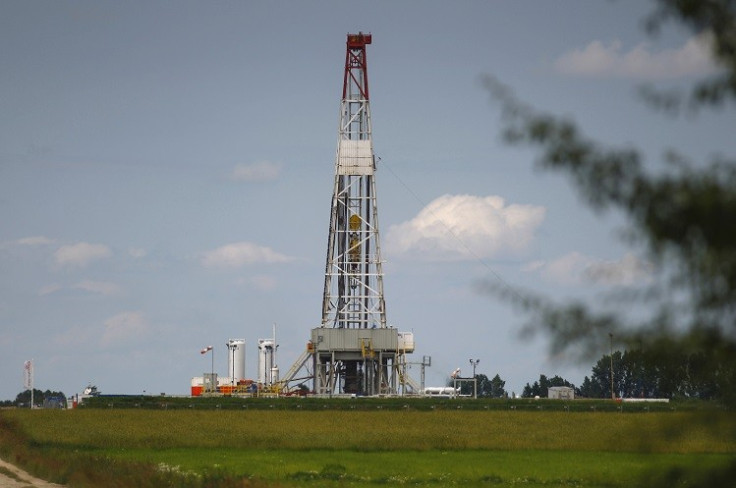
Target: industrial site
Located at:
point(513, 266)
point(354, 351)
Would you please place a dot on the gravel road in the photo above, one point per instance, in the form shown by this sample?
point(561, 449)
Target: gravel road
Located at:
point(13, 477)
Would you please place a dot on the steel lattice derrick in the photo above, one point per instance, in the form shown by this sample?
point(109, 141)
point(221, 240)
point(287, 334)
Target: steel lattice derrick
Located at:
point(353, 351)
point(353, 292)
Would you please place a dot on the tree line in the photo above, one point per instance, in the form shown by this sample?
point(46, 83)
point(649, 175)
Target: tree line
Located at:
point(654, 374)
point(45, 399)
point(485, 387)
point(636, 374)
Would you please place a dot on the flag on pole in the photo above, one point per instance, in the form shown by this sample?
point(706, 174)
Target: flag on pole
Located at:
point(28, 375)
point(205, 350)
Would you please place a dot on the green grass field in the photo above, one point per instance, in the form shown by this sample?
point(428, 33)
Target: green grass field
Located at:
point(370, 448)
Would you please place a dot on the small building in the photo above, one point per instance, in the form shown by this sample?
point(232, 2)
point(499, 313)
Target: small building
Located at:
point(561, 393)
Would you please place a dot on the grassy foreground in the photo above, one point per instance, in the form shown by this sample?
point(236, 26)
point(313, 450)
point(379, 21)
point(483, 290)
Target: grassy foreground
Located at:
point(370, 448)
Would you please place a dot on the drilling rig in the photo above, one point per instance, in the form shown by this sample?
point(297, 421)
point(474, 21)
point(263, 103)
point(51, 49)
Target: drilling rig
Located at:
point(354, 351)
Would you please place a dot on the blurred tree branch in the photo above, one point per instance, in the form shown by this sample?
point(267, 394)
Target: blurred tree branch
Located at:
point(685, 218)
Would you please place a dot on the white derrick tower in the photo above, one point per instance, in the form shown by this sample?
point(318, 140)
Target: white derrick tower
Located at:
point(353, 351)
point(353, 293)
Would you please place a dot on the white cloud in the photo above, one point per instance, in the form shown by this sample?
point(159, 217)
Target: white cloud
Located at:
point(123, 327)
point(137, 253)
point(264, 282)
point(261, 171)
point(242, 253)
point(35, 241)
point(533, 266)
point(566, 270)
point(641, 62)
point(101, 287)
point(578, 269)
point(627, 271)
point(76, 337)
point(81, 254)
point(259, 282)
point(49, 289)
point(461, 227)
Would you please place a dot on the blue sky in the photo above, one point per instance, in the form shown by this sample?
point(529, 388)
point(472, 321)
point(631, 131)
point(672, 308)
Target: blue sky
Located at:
point(166, 173)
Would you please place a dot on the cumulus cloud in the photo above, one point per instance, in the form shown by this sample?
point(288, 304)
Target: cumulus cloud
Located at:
point(261, 171)
point(578, 269)
point(242, 253)
point(461, 227)
point(598, 59)
point(123, 327)
point(101, 287)
point(81, 254)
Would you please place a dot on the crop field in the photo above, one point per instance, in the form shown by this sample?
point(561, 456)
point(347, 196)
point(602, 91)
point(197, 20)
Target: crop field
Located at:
point(436, 448)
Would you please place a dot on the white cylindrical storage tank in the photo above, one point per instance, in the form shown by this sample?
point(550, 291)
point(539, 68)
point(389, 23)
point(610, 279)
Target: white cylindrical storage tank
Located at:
point(265, 360)
point(274, 375)
point(236, 359)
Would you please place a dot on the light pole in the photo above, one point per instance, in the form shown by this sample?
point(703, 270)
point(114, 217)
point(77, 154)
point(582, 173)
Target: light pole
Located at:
point(212, 371)
point(474, 363)
point(613, 393)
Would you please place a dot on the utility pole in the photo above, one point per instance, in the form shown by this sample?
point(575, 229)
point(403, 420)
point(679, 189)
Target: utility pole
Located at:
point(426, 361)
point(613, 393)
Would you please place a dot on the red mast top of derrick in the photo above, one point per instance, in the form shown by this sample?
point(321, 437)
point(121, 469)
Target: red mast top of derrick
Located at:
point(356, 67)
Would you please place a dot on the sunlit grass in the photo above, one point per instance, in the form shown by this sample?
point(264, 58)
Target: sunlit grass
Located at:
point(466, 467)
point(365, 448)
point(384, 430)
